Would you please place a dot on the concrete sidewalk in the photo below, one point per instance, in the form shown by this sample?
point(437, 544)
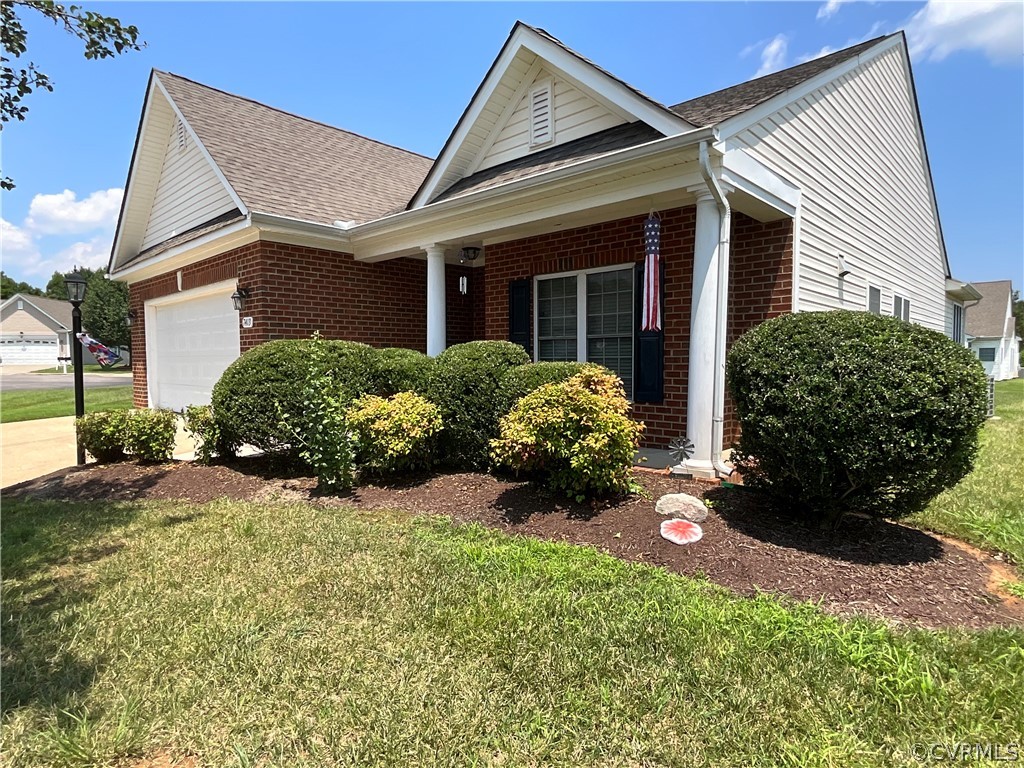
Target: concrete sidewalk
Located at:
point(30, 449)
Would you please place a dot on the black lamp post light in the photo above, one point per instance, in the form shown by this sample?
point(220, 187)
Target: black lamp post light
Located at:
point(75, 283)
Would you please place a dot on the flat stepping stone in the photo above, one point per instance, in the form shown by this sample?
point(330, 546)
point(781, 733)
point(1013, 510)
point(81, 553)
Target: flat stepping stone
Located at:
point(681, 531)
point(682, 505)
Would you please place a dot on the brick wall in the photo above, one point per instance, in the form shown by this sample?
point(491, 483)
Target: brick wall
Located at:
point(761, 286)
point(298, 290)
point(465, 312)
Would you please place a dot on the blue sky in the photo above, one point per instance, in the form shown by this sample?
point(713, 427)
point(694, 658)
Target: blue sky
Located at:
point(403, 73)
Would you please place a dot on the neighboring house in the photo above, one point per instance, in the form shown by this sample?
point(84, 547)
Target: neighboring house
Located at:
point(991, 331)
point(806, 189)
point(35, 330)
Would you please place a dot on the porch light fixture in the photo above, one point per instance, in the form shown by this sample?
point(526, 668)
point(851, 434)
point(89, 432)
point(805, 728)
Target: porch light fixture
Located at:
point(129, 317)
point(469, 253)
point(238, 298)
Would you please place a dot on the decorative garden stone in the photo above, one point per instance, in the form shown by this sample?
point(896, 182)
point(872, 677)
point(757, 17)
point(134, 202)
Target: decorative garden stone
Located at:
point(681, 531)
point(682, 505)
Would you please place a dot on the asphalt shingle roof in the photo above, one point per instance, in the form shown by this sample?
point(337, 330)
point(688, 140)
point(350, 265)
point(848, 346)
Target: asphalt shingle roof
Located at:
point(988, 317)
point(286, 165)
point(714, 108)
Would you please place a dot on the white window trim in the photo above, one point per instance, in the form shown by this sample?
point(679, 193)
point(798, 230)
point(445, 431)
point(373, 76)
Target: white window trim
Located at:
point(867, 297)
point(904, 307)
point(581, 307)
point(547, 84)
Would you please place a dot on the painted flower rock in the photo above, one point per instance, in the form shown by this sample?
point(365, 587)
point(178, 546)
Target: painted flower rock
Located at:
point(681, 531)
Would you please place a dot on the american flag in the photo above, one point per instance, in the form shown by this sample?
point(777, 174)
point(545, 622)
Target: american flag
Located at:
point(652, 274)
point(104, 355)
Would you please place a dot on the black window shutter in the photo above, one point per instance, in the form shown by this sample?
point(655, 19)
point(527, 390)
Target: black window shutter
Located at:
point(648, 346)
point(519, 330)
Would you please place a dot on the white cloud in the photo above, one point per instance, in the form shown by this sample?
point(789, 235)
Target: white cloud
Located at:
point(40, 245)
point(773, 55)
point(942, 28)
point(830, 9)
point(64, 213)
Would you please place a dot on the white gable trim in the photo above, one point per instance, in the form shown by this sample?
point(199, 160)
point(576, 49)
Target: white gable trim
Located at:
point(602, 87)
point(202, 149)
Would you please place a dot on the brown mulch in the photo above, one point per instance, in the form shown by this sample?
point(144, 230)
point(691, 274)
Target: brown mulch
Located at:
point(868, 567)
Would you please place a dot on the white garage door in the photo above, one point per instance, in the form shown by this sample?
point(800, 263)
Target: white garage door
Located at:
point(24, 349)
point(193, 342)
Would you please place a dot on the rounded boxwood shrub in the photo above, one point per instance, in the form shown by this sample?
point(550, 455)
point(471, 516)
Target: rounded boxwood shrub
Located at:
point(523, 379)
point(851, 412)
point(574, 436)
point(103, 435)
point(150, 435)
point(395, 433)
point(464, 384)
point(400, 370)
point(266, 384)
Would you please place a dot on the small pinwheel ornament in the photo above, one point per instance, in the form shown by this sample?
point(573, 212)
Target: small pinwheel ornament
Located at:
point(680, 450)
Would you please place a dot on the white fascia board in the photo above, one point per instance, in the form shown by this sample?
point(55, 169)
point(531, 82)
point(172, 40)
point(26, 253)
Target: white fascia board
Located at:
point(961, 290)
point(602, 87)
point(231, 236)
point(272, 221)
point(744, 120)
point(418, 216)
point(202, 149)
point(755, 177)
point(133, 171)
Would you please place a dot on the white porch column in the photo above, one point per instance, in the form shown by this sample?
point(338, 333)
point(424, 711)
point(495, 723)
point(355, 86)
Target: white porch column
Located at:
point(436, 305)
point(700, 392)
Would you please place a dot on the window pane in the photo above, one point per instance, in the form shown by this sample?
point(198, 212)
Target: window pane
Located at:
point(556, 323)
point(875, 301)
point(610, 322)
point(987, 354)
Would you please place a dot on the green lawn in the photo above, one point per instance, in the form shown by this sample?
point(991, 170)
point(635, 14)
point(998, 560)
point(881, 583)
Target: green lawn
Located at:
point(987, 507)
point(89, 369)
point(291, 635)
point(24, 405)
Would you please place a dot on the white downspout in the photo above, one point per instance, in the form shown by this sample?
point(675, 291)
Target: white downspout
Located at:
point(722, 318)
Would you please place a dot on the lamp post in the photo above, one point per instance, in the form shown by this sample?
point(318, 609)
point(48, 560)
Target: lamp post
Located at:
point(75, 283)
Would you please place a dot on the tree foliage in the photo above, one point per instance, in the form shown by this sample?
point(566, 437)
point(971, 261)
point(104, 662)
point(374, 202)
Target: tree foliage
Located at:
point(103, 37)
point(104, 309)
point(9, 286)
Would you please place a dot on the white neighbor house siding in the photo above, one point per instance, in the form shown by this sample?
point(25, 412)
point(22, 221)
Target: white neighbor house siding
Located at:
point(576, 115)
point(189, 192)
point(853, 147)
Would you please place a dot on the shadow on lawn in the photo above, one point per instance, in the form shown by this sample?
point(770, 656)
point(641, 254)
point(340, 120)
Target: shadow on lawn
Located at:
point(47, 548)
point(862, 540)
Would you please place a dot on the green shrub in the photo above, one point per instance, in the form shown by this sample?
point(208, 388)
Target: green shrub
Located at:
point(523, 379)
point(400, 370)
point(464, 384)
point(396, 433)
point(267, 382)
point(149, 435)
point(103, 435)
point(319, 429)
point(202, 427)
point(848, 411)
point(574, 436)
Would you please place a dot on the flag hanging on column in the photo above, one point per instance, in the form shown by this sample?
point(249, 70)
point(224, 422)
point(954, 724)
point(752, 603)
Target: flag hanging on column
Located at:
point(104, 355)
point(652, 275)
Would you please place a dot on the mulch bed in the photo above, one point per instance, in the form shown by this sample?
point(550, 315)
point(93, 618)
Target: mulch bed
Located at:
point(867, 567)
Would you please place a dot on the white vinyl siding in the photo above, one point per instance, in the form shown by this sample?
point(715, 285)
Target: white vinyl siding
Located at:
point(853, 147)
point(575, 115)
point(189, 193)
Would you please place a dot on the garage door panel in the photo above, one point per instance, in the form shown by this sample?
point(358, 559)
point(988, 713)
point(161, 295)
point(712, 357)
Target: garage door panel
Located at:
point(195, 341)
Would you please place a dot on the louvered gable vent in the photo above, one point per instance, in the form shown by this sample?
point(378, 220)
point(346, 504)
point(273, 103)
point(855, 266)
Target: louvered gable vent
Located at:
point(542, 128)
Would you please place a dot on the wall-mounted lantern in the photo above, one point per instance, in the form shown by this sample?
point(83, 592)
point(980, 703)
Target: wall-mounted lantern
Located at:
point(238, 298)
point(469, 253)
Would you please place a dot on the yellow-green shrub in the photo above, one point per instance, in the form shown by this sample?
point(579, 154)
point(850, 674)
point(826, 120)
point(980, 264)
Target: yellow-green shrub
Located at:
point(574, 436)
point(395, 433)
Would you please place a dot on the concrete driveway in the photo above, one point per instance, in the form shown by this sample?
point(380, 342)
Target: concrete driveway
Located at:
point(30, 449)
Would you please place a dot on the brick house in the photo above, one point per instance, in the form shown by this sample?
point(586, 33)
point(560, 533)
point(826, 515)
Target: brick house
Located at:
point(802, 190)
